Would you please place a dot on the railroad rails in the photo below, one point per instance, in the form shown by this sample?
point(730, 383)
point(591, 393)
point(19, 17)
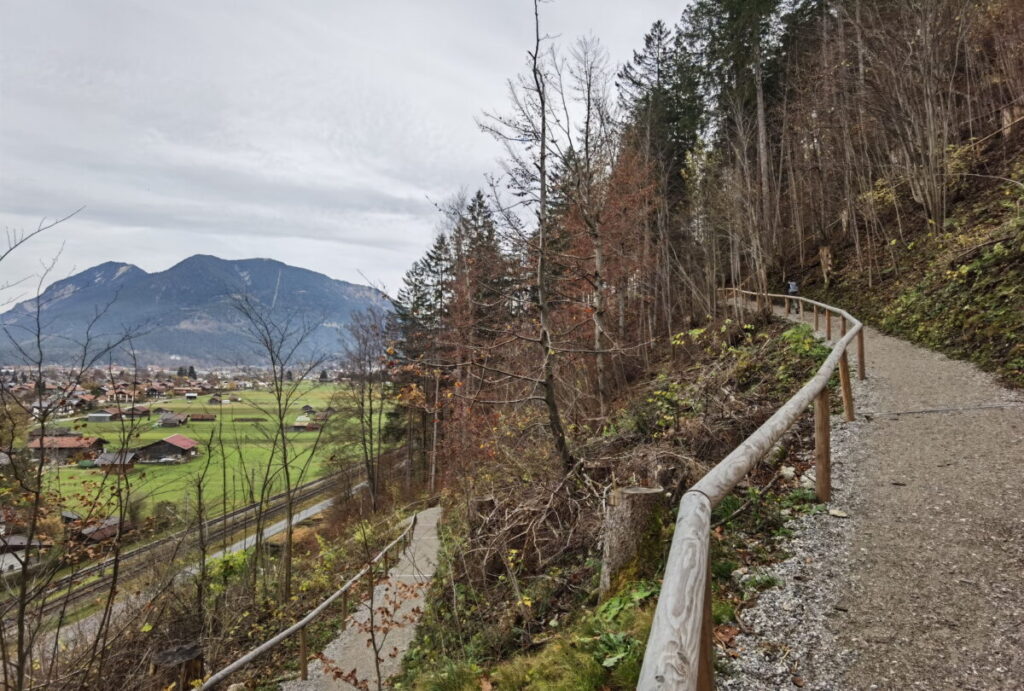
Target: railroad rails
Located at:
point(135, 561)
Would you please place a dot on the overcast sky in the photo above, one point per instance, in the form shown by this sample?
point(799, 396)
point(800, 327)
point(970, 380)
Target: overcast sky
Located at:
point(316, 132)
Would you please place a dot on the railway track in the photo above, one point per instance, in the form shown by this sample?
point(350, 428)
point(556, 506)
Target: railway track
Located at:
point(135, 561)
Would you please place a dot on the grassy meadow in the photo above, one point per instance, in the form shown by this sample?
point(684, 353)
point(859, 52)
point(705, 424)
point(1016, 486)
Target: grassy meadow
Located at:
point(230, 450)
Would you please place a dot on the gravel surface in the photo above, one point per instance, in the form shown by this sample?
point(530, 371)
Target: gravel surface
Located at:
point(921, 586)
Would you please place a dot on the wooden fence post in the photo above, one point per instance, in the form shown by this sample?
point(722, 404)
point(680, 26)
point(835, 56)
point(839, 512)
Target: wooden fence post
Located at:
point(861, 366)
point(822, 447)
point(303, 661)
point(706, 664)
point(842, 327)
point(801, 303)
point(828, 325)
point(844, 381)
point(785, 305)
point(344, 610)
point(815, 319)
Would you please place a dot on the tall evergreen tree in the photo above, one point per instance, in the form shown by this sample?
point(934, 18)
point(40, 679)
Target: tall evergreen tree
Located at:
point(660, 93)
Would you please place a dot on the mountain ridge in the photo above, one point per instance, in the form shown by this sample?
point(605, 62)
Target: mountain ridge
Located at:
point(185, 312)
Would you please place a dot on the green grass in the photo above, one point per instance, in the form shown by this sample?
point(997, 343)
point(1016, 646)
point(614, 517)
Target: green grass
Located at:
point(232, 450)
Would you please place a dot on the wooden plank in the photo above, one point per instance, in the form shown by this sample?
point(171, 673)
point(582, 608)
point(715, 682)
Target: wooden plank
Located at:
point(842, 326)
point(844, 382)
point(303, 656)
point(672, 658)
point(822, 448)
point(828, 325)
point(862, 371)
point(815, 318)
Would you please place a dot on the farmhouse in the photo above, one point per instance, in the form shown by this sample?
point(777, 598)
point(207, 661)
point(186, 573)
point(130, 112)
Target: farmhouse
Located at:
point(100, 416)
point(65, 448)
point(191, 396)
point(82, 401)
point(105, 529)
point(117, 462)
point(173, 420)
point(136, 412)
point(174, 446)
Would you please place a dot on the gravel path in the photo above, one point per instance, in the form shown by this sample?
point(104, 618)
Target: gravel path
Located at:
point(922, 587)
point(397, 603)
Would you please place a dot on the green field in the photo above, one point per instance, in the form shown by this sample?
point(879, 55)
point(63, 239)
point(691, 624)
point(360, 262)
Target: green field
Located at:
point(233, 451)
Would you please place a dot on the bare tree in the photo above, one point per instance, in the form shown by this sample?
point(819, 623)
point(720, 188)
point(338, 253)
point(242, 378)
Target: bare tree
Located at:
point(283, 339)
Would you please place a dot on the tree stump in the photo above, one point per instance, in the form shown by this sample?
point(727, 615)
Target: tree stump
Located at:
point(629, 525)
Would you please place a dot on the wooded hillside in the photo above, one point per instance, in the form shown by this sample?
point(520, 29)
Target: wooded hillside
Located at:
point(868, 149)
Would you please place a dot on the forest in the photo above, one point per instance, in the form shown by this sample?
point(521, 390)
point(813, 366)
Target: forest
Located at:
point(567, 335)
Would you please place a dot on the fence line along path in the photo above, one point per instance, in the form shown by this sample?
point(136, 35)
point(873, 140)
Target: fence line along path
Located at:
point(397, 603)
point(931, 594)
point(679, 653)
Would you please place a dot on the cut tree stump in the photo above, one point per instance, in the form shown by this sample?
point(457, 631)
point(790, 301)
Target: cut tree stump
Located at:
point(630, 519)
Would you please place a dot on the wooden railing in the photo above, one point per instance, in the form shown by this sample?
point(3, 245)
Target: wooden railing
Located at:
point(679, 651)
point(401, 543)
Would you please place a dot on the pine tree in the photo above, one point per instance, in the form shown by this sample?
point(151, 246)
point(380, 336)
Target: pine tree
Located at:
point(422, 303)
point(659, 90)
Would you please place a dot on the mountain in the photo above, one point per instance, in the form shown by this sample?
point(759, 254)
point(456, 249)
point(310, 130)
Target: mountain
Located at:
point(187, 311)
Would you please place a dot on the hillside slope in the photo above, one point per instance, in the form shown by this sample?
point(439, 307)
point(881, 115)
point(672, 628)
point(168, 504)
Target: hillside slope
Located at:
point(958, 289)
point(186, 312)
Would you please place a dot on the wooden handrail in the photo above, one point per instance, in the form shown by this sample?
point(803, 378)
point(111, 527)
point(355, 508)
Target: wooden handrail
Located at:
point(678, 647)
point(300, 625)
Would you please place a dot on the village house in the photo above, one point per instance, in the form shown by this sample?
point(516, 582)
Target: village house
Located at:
point(136, 411)
point(123, 396)
point(105, 529)
point(175, 446)
point(116, 462)
point(173, 420)
point(65, 448)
